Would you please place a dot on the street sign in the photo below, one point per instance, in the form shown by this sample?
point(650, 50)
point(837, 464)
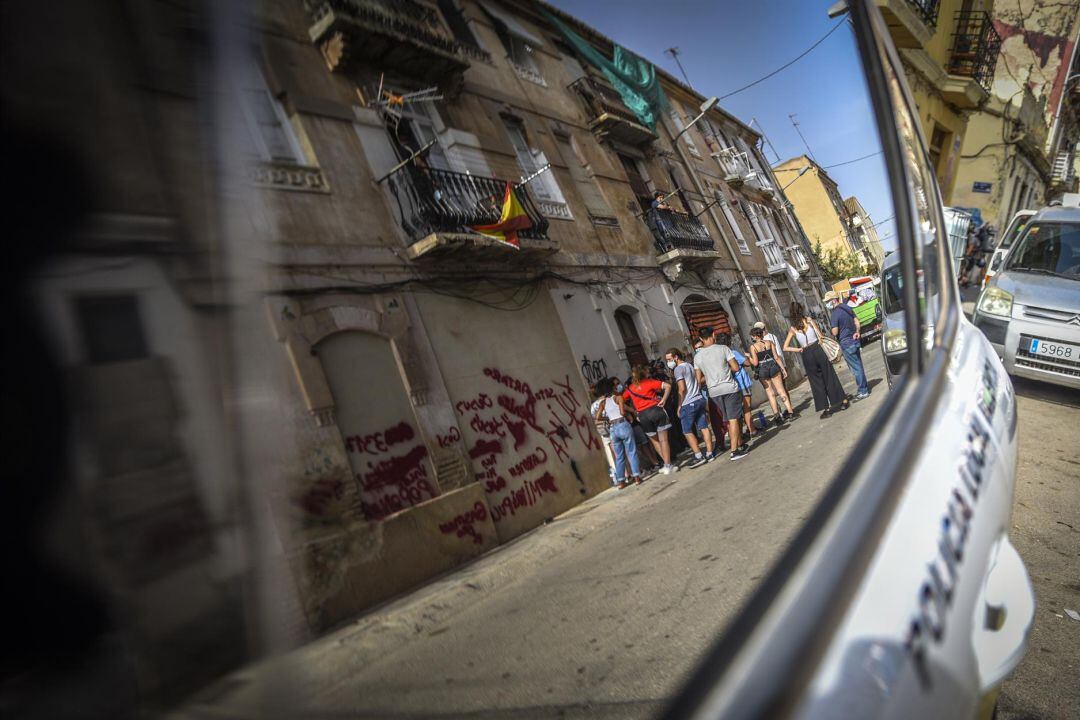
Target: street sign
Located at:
point(981, 187)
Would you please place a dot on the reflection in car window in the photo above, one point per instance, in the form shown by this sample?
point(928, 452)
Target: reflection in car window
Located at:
point(1049, 248)
point(925, 203)
point(1014, 233)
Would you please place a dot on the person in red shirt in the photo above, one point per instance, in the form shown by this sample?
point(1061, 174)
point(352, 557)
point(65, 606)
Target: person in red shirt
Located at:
point(649, 396)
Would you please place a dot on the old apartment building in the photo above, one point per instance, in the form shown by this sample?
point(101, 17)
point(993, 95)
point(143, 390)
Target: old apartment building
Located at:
point(829, 220)
point(271, 305)
point(1020, 148)
point(949, 49)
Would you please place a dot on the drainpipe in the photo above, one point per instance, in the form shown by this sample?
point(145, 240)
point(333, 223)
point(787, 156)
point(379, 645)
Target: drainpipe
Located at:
point(700, 188)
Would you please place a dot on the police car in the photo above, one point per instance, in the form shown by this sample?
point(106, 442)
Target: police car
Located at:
point(902, 596)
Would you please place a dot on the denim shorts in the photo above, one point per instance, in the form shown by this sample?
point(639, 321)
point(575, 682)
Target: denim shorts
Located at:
point(694, 416)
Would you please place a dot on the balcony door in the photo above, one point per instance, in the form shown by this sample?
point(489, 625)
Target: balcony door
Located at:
point(413, 130)
point(635, 349)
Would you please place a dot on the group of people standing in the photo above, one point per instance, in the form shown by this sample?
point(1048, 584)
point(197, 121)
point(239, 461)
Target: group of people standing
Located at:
point(707, 393)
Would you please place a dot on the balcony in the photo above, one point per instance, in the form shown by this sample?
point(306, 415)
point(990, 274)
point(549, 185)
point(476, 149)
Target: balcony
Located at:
point(1063, 176)
point(678, 236)
point(774, 257)
point(798, 258)
point(608, 117)
point(437, 207)
point(911, 22)
point(739, 173)
point(973, 59)
point(402, 36)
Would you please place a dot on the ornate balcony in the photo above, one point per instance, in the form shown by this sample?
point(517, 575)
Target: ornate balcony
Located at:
point(739, 173)
point(400, 35)
point(975, 49)
point(798, 258)
point(677, 234)
point(911, 22)
point(437, 207)
point(608, 116)
point(774, 257)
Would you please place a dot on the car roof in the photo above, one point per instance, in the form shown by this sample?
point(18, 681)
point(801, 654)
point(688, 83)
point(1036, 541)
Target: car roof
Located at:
point(891, 260)
point(1057, 213)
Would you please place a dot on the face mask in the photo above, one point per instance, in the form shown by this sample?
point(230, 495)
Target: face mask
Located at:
point(671, 364)
point(618, 388)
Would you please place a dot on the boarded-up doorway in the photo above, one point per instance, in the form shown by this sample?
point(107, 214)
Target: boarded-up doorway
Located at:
point(701, 312)
point(635, 350)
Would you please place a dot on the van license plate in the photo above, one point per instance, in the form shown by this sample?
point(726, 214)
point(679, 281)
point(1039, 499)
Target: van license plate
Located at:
point(1044, 348)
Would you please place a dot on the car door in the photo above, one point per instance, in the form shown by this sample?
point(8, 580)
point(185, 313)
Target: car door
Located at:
point(901, 596)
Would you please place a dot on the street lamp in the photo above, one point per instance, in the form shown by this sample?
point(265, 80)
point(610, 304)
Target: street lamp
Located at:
point(802, 171)
point(704, 108)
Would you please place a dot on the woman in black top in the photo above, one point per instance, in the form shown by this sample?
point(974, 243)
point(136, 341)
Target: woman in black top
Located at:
point(762, 355)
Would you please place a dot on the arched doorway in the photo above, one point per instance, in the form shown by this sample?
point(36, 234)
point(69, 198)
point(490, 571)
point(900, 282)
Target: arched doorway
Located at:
point(702, 312)
point(635, 350)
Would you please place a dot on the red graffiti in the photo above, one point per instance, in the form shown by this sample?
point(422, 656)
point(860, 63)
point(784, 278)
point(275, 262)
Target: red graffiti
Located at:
point(492, 486)
point(531, 462)
point(526, 496)
point(462, 525)
point(449, 439)
point(317, 499)
point(485, 447)
point(380, 442)
point(510, 382)
point(398, 499)
point(487, 427)
point(480, 402)
point(517, 429)
point(402, 469)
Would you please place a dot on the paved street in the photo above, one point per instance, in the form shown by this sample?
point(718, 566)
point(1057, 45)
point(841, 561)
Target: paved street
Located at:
point(601, 613)
point(542, 628)
point(1046, 532)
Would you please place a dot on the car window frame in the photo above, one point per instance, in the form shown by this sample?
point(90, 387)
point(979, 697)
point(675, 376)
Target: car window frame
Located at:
point(763, 663)
point(1014, 251)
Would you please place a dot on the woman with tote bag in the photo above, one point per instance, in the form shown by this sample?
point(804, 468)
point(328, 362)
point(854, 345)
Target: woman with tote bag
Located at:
point(828, 393)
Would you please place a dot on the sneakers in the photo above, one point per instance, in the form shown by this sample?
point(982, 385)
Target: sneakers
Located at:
point(698, 461)
point(862, 396)
point(668, 469)
point(740, 452)
point(715, 455)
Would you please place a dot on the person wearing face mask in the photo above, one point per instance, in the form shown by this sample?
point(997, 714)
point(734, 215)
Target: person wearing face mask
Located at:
point(693, 410)
point(648, 397)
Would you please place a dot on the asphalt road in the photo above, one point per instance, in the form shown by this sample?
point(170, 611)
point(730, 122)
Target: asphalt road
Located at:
point(1046, 532)
point(601, 613)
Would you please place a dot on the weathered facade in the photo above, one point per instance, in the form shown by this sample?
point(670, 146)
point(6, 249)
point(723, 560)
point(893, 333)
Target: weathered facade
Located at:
point(1020, 148)
point(949, 49)
point(867, 241)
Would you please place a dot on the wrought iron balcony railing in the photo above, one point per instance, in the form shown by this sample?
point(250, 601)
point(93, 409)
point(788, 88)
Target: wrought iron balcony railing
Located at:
point(677, 231)
point(975, 49)
point(432, 201)
point(927, 10)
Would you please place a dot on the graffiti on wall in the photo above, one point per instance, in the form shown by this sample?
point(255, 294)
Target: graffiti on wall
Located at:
point(520, 431)
point(395, 474)
point(593, 370)
point(464, 525)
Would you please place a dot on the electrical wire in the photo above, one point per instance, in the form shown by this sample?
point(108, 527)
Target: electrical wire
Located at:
point(848, 162)
point(801, 55)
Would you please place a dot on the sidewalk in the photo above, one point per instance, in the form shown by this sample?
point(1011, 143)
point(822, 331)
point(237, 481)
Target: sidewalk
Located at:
point(601, 612)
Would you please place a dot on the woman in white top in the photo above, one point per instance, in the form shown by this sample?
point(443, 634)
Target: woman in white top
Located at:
point(824, 384)
point(613, 409)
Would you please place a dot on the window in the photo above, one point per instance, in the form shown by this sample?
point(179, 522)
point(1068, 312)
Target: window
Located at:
point(677, 119)
point(111, 328)
point(459, 26)
point(1048, 249)
point(597, 206)
point(638, 179)
point(271, 132)
point(544, 188)
point(415, 129)
point(740, 239)
point(938, 141)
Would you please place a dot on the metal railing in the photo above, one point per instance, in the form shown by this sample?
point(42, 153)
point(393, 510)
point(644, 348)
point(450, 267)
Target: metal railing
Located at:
point(431, 201)
point(673, 230)
point(601, 98)
point(975, 48)
point(927, 10)
point(406, 18)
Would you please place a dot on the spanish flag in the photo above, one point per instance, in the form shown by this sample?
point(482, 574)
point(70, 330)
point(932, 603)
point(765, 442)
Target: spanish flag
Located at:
point(512, 220)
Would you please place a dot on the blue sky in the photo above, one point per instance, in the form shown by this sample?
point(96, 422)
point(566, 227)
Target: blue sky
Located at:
point(725, 44)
